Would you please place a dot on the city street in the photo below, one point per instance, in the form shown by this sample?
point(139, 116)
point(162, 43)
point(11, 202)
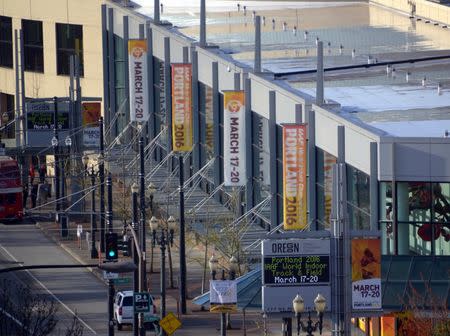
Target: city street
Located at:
point(75, 290)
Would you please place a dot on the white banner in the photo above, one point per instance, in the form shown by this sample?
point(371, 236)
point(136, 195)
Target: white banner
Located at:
point(366, 294)
point(234, 139)
point(223, 292)
point(91, 137)
point(137, 52)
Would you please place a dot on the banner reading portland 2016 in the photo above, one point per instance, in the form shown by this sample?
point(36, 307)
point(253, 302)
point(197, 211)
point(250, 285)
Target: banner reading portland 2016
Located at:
point(137, 50)
point(294, 177)
point(234, 138)
point(181, 107)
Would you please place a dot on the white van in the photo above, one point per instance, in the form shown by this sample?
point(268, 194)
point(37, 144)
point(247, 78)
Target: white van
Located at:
point(123, 310)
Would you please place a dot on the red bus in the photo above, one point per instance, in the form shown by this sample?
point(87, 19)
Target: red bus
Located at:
point(11, 204)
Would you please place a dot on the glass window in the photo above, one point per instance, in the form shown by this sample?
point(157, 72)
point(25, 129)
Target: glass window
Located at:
point(414, 201)
point(69, 41)
point(393, 293)
point(386, 201)
point(420, 269)
point(399, 269)
point(358, 195)
point(6, 45)
point(33, 42)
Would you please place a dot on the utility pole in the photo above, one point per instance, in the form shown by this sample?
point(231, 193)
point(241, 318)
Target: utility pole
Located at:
point(110, 281)
point(182, 239)
point(55, 144)
point(135, 257)
point(142, 227)
point(101, 169)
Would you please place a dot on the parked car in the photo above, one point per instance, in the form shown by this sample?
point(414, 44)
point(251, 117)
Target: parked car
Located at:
point(123, 310)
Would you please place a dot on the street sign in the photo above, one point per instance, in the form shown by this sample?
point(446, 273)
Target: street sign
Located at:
point(170, 323)
point(110, 275)
point(141, 302)
point(121, 281)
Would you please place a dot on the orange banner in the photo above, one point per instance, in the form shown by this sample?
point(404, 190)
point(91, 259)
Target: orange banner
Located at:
point(294, 177)
point(182, 107)
point(366, 274)
point(90, 114)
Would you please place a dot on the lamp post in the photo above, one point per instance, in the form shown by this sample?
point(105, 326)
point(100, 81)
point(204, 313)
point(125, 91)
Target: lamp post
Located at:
point(182, 251)
point(233, 268)
point(163, 235)
point(92, 174)
point(101, 171)
point(55, 145)
point(142, 219)
point(151, 189)
point(298, 305)
point(134, 191)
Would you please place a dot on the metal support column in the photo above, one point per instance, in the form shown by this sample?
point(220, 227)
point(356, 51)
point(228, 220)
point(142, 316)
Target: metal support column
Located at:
point(168, 98)
point(125, 117)
point(250, 202)
point(196, 113)
point(202, 23)
point(156, 13)
point(257, 65)
point(22, 88)
point(216, 125)
point(17, 93)
point(56, 154)
point(374, 199)
point(319, 81)
point(311, 134)
point(105, 66)
point(151, 132)
point(112, 76)
point(273, 162)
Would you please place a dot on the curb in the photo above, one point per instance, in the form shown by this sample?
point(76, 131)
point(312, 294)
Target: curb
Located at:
point(66, 248)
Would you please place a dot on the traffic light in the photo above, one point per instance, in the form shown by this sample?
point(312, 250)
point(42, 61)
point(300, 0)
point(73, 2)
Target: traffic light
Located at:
point(112, 252)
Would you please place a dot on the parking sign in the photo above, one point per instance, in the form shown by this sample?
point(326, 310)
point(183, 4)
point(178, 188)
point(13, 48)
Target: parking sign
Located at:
point(141, 302)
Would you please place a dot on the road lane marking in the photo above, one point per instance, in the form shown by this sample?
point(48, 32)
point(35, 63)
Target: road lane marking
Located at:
point(48, 291)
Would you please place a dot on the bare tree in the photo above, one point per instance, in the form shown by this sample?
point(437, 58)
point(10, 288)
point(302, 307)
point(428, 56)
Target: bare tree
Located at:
point(424, 313)
point(25, 313)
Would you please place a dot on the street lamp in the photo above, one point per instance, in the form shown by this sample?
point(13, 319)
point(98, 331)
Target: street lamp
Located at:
point(298, 304)
point(151, 190)
point(134, 224)
point(163, 235)
point(93, 175)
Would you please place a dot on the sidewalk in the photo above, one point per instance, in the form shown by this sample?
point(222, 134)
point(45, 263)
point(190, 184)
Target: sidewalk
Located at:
point(195, 322)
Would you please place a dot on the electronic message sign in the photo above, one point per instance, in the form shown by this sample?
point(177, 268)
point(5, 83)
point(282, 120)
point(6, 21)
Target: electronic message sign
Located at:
point(294, 266)
point(296, 270)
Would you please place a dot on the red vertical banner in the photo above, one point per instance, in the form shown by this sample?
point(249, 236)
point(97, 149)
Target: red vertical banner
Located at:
point(182, 107)
point(294, 177)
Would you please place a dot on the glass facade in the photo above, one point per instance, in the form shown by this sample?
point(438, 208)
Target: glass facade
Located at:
point(121, 95)
point(324, 182)
point(423, 277)
point(419, 223)
point(358, 199)
point(69, 41)
point(6, 45)
point(33, 45)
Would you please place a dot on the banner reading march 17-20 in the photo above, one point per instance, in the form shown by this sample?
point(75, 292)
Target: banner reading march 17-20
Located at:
point(182, 107)
point(137, 54)
point(366, 274)
point(294, 177)
point(234, 138)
